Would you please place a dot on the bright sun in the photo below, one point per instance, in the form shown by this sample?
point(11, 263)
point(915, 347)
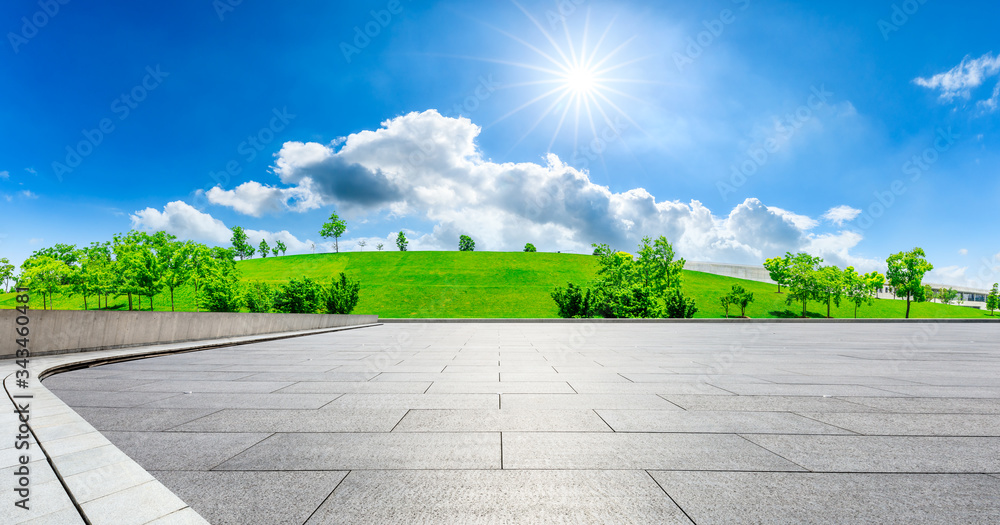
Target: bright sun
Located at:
point(580, 77)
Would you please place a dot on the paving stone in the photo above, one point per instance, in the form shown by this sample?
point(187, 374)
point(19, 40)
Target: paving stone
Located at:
point(201, 451)
point(978, 425)
point(885, 454)
point(929, 405)
point(108, 479)
point(583, 387)
point(353, 387)
point(81, 398)
point(414, 401)
point(501, 421)
point(496, 387)
point(478, 496)
point(772, 497)
point(269, 421)
point(198, 400)
point(228, 387)
point(371, 451)
point(583, 401)
point(140, 419)
point(144, 503)
point(714, 422)
point(768, 403)
point(564, 450)
point(240, 498)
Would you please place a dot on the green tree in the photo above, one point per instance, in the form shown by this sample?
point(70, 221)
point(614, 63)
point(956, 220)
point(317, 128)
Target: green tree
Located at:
point(946, 295)
point(401, 242)
point(264, 248)
point(6, 272)
point(725, 301)
point(334, 227)
point(44, 274)
point(572, 302)
point(281, 246)
point(241, 243)
point(529, 247)
point(802, 279)
point(740, 297)
point(861, 289)
point(379, 246)
point(298, 296)
point(829, 286)
point(274, 251)
point(362, 244)
point(778, 268)
point(221, 290)
point(656, 264)
point(466, 244)
point(175, 260)
point(993, 299)
point(906, 271)
point(342, 295)
point(259, 297)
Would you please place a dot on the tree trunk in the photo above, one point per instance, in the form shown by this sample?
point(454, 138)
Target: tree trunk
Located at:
point(855, 310)
point(44, 303)
point(779, 288)
point(907, 306)
point(85, 301)
point(803, 309)
point(827, 308)
point(172, 300)
point(130, 301)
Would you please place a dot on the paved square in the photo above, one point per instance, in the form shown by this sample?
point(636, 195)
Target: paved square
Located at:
point(567, 422)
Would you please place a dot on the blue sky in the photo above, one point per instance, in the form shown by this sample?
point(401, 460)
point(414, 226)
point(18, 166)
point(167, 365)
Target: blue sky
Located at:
point(738, 128)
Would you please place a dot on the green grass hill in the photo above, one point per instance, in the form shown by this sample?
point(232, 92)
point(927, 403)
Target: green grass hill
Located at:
point(495, 285)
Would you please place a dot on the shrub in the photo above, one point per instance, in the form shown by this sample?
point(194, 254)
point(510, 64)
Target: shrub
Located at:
point(259, 297)
point(573, 301)
point(678, 306)
point(530, 247)
point(342, 295)
point(221, 292)
point(466, 244)
point(298, 296)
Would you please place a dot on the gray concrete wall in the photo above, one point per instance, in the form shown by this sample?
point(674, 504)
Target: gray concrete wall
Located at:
point(65, 331)
point(739, 271)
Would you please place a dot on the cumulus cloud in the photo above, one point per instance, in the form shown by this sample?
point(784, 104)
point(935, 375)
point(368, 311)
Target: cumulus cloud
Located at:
point(963, 251)
point(186, 222)
point(959, 81)
point(947, 275)
point(183, 220)
point(4, 175)
point(427, 167)
point(841, 214)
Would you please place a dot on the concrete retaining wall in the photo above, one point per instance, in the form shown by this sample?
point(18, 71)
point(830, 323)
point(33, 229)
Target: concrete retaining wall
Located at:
point(64, 331)
point(739, 271)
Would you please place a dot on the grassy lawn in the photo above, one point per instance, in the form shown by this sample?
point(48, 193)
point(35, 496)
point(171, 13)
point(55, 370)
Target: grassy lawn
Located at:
point(495, 284)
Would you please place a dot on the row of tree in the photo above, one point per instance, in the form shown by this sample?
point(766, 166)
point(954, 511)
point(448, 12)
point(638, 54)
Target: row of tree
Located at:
point(808, 280)
point(137, 264)
point(647, 286)
point(297, 296)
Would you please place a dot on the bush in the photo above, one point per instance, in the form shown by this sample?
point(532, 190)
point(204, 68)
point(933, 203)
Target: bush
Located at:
point(342, 295)
point(260, 297)
point(466, 244)
point(678, 306)
point(530, 247)
point(573, 302)
point(221, 292)
point(298, 296)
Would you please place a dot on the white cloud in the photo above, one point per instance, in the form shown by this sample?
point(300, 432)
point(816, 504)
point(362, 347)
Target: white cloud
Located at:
point(4, 175)
point(186, 222)
point(427, 167)
point(963, 251)
point(28, 195)
point(31, 171)
point(183, 220)
point(841, 214)
point(959, 81)
point(947, 275)
point(256, 199)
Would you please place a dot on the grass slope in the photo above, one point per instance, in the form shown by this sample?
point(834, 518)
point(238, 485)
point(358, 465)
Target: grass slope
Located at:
point(495, 284)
